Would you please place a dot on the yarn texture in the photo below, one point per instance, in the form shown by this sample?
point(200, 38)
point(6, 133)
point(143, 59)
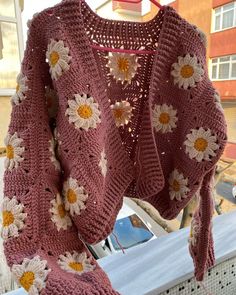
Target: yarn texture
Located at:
point(89, 126)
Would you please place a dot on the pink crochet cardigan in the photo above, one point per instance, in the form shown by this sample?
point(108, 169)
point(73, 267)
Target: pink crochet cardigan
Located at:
point(88, 127)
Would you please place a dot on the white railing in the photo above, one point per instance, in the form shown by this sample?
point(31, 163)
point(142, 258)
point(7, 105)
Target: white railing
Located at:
point(164, 266)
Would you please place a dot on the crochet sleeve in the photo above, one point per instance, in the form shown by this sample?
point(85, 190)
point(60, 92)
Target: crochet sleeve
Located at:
point(209, 129)
point(41, 243)
point(28, 150)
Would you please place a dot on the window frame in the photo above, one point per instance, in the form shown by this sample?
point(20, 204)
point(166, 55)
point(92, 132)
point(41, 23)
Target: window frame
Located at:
point(214, 15)
point(231, 62)
point(19, 30)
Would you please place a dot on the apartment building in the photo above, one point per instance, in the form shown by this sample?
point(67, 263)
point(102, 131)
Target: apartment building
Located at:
point(217, 19)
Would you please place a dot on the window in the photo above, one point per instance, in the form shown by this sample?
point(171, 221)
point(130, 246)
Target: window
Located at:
point(223, 68)
point(11, 45)
point(7, 8)
point(5, 110)
point(130, 231)
point(9, 64)
point(225, 17)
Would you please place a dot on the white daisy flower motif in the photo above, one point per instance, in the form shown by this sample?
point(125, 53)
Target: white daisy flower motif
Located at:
point(77, 263)
point(218, 101)
point(83, 112)
point(164, 118)
point(178, 186)
point(13, 217)
point(123, 66)
point(201, 144)
point(75, 196)
point(51, 101)
point(59, 215)
point(31, 274)
point(103, 163)
point(194, 232)
point(122, 112)
point(14, 151)
point(58, 58)
point(187, 71)
point(21, 89)
point(53, 158)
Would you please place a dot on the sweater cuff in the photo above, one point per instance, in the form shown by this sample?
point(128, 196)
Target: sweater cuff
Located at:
point(201, 244)
point(203, 259)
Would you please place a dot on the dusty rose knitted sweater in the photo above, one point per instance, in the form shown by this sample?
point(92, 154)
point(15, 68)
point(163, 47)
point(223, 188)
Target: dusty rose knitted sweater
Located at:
point(90, 126)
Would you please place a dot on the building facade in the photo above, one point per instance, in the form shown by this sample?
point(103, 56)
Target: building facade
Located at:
point(217, 19)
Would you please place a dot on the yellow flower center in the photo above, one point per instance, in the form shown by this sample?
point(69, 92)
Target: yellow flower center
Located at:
point(76, 266)
point(71, 196)
point(10, 151)
point(61, 210)
point(54, 57)
point(85, 111)
point(187, 71)
point(164, 118)
point(17, 87)
point(8, 218)
point(123, 64)
point(118, 113)
point(27, 280)
point(201, 144)
point(176, 185)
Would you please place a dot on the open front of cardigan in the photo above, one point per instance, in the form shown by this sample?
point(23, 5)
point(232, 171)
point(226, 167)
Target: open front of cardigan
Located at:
point(90, 126)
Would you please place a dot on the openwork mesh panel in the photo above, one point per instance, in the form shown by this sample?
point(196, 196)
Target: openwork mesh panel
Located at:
point(220, 280)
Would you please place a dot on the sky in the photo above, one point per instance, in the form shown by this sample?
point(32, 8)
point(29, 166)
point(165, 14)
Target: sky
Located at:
point(33, 6)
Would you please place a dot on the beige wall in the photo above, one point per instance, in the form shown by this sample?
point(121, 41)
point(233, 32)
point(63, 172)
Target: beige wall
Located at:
point(230, 115)
point(150, 15)
point(5, 106)
point(197, 13)
point(105, 11)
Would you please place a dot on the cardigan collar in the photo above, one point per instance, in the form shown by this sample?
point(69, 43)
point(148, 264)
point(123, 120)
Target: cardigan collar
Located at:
point(147, 163)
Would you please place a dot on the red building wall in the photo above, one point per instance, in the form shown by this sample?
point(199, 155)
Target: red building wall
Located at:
point(220, 44)
point(223, 43)
point(175, 5)
point(227, 90)
point(199, 12)
point(216, 3)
